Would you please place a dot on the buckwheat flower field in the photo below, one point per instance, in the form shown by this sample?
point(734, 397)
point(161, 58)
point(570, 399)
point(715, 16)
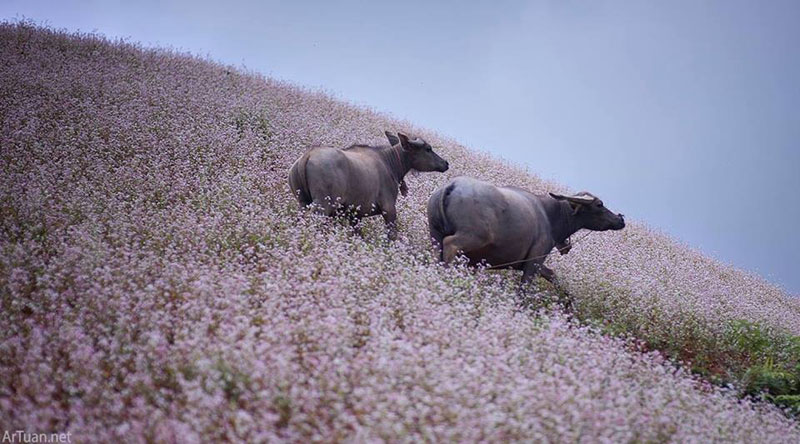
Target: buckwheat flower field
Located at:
point(158, 282)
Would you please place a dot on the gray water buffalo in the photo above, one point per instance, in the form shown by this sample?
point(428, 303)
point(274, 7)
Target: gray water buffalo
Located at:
point(361, 180)
point(509, 227)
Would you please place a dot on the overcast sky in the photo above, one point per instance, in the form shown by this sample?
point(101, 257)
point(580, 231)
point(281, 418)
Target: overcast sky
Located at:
point(681, 114)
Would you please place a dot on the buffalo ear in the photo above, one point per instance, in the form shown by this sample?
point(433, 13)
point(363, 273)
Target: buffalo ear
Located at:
point(576, 206)
point(393, 140)
point(404, 142)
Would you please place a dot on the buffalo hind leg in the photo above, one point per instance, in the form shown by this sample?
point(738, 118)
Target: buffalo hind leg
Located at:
point(324, 207)
point(436, 241)
point(459, 243)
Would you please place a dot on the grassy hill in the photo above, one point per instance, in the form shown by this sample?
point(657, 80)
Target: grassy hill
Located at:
point(158, 281)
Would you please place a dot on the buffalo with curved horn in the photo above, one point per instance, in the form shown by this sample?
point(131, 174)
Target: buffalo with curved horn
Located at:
point(361, 180)
point(508, 227)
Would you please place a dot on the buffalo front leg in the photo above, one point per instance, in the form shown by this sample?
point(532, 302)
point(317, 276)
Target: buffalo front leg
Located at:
point(562, 295)
point(535, 265)
point(539, 269)
point(390, 220)
point(547, 273)
point(355, 226)
point(531, 270)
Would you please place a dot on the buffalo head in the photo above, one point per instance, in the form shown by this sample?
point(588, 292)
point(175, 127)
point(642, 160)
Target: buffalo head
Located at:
point(589, 212)
point(419, 153)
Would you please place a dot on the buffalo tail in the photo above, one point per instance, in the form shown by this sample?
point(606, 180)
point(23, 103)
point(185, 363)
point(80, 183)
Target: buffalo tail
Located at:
point(298, 182)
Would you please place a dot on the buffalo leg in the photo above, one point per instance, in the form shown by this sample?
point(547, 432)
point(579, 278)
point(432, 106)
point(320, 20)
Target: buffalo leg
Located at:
point(531, 270)
point(456, 243)
point(538, 268)
point(355, 226)
point(547, 273)
point(390, 219)
point(324, 208)
point(563, 295)
point(436, 241)
point(535, 267)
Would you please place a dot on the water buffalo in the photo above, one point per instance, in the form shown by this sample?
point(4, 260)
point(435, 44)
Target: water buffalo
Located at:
point(509, 227)
point(361, 180)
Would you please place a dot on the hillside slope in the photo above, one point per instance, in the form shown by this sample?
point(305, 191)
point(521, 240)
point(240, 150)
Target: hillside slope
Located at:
point(158, 280)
